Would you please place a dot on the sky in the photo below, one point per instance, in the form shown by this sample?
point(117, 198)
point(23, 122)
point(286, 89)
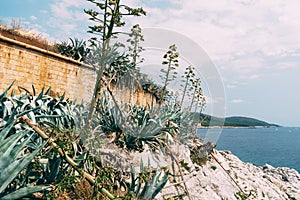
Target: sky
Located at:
point(253, 44)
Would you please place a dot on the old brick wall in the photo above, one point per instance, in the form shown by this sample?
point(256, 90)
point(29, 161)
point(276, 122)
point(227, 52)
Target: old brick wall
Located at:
point(28, 65)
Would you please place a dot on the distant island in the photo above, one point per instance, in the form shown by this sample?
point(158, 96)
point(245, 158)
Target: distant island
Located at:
point(236, 121)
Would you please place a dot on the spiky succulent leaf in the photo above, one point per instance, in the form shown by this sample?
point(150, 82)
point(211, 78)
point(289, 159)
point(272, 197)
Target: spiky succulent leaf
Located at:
point(12, 162)
point(160, 185)
point(24, 192)
point(150, 186)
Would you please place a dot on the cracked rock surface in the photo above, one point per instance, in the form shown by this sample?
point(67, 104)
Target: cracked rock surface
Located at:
point(225, 176)
point(222, 177)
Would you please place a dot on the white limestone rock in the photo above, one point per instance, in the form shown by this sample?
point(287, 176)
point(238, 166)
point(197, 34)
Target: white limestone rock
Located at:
point(223, 176)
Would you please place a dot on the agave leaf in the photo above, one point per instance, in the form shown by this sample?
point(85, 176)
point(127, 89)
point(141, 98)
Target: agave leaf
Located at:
point(148, 192)
point(24, 104)
point(48, 116)
point(24, 192)
point(142, 165)
point(22, 88)
point(62, 97)
point(9, 145)
point(142, 194)
point(138, 188)
point(48, 123)
point(160, 185)
point(29, 112)
point(13, 93)
point(4, 94)
point(53, 171)
point(8, 105)
point(80, 158)
point(132, 186)
point(33, 90)
point(6, 147)
point(48, 91)
point(10, 123)
point(15, 167)
point(41, 94)
point(139, 185)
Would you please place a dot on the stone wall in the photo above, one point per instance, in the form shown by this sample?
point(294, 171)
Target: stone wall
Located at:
point(28, 65)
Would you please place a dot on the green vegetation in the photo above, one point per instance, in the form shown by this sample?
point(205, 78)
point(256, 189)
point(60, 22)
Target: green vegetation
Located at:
point(57, 160)
point(55, 141)
point(77, 49)
point(207, 120)
point(246, 121)
point(108, 18)
point(153, 183)
point(198, 158)
point(240, 196)
point(14, 158)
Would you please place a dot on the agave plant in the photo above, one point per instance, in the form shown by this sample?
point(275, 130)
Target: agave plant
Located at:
point(119, 67)
point(147, 184)
point(151, 87)
point(41, 108)
point(134, 125)
point(77, 49)
point(60, 118)
point(14, 158)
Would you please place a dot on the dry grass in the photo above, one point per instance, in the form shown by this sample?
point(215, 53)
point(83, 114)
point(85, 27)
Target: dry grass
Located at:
point(19, 32)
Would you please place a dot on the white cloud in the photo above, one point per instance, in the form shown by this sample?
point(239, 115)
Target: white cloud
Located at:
point(231, 86)
point(68, 18)
point(214, 100)
point(288, 65)
point(255, 31)
point(33, 18)
point(245, 38)
point(62, 9)
point(44, 11)
point(236, 101)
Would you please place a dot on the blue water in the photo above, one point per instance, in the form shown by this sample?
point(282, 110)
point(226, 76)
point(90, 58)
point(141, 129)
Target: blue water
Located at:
point(279, 147)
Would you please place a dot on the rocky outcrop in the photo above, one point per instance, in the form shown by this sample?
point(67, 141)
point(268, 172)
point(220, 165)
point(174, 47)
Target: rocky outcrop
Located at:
point(221, 176)
point(224, 176)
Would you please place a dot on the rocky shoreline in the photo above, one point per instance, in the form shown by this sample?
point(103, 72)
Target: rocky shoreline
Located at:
point(222, 176)
point(225, 176)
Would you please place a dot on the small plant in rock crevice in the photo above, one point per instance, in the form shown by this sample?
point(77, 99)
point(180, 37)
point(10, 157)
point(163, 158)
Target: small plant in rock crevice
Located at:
point(147, 184)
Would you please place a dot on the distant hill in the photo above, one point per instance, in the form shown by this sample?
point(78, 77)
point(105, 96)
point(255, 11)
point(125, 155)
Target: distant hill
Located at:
point(235, 121)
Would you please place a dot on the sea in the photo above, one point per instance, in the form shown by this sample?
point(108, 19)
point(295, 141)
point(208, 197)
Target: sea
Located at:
point(278, 146)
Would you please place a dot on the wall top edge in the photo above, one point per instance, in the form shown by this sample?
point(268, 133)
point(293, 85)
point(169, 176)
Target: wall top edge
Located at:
point(34, 48)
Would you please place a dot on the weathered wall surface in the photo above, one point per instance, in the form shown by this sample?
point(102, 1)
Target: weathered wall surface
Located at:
point(137, 96)
point(28, 65)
